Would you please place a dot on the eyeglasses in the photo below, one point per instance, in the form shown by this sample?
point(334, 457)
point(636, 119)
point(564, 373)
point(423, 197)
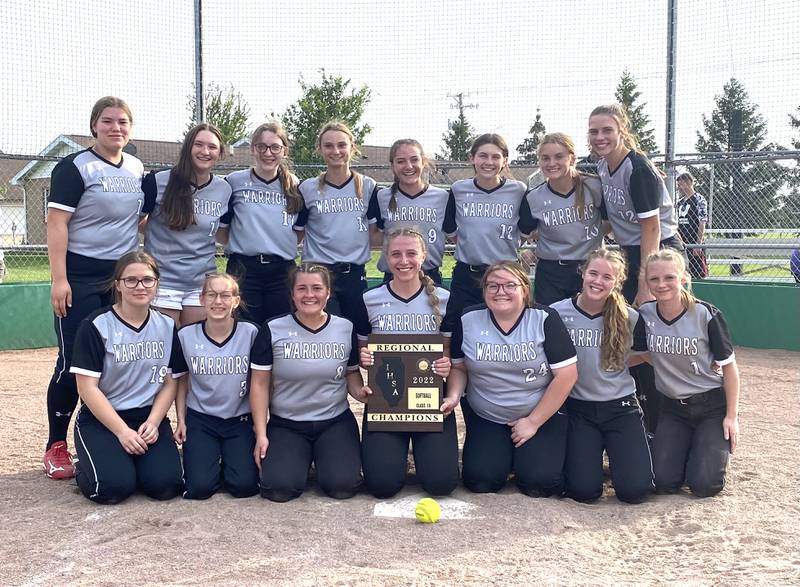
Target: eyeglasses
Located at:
point(133, 282)
point(274, 148)
point(225, 296)
point(510, 287)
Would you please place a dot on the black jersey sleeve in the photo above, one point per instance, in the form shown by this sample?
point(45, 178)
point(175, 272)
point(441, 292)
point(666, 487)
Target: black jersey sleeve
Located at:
point(603, 209)
point(302, 218)
point(89, 351)
point(374, 211)
point(450, 226)
point(527, 223)
point(228, 215)
point(645, 188)
point(177, 362)
point(719, 338)
point(558, 345)
point(456, 340)
point(261, 353)
point(640, 335)
point(66, 186)
point(352, 360)
point(150, 190)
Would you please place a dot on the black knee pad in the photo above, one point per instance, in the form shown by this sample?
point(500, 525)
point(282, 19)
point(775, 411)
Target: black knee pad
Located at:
point(280, 495)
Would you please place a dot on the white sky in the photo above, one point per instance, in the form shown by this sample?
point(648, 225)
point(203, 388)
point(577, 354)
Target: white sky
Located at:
point(510, 57)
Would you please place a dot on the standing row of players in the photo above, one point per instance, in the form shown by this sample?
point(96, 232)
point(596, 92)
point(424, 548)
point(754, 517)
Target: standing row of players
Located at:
point(262, 212)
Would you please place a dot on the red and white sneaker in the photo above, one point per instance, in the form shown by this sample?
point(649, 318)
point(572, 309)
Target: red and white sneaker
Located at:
point(58, 462)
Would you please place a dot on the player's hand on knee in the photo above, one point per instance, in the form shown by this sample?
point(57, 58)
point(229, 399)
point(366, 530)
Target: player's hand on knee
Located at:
point(730, 429)
point(180, 433)
point(366, 357)
point(148, 432)
point(260, 451)
point(61, 297)
point(132, 442)
point(441, 367)
point(522, 431)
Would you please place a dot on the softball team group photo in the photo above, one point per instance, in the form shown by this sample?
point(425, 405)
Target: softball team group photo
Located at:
point(605, 352)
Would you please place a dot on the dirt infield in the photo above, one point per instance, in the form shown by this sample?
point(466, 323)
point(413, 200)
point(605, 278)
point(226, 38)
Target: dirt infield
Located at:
point(51, 535)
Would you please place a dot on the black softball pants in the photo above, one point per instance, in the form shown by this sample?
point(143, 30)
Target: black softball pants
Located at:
point(107, 474)
point(616, 427)
point(332, 445)
point(219, 452)
point(263, 284)
point(465, 291)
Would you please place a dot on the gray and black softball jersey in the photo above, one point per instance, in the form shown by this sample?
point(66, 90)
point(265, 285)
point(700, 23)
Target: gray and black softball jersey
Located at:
point(634, 191)
point(594, 384)
point(487, 222)
point(683, 350)
point(389, 313)
point(335, 221)
point(309, 367)
point(184, 256)
point(257, 216)
point(105, 201)
point(509, 371)
point(564, 234)
point(424, 211)
point(218, 372)
point(131, 363)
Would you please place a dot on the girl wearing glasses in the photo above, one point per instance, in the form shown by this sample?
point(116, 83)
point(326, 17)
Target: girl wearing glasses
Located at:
point(483, 213)
point(410, 201)
point(604, 414)
point(212, 408)
point(516, 363)
point(303, 366)
point(93, 210)
point(186, 204)
point(410, 303)
point(335, 221)
point(124, 360)
point(565, 210)
point(261, 240)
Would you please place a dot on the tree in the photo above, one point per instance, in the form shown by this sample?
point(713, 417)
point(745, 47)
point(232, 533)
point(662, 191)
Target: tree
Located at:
point(627, 95)
point(330, 99)
point(746, 194)
point(528, 147)
point(792, 202)
point(794, 122)
point(227, 110)
point(459, 136)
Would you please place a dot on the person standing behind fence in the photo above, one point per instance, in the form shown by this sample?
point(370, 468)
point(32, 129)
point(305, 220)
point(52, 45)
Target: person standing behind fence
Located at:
point(565, 210)
point(483, 213)
point(261, 240)
point(692, 220)
point(692, 353)
point(186, 204)
point(93, 210)
point(412, 202)
point(335, 222)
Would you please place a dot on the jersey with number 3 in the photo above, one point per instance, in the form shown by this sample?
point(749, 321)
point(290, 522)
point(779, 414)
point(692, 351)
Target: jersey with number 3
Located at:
point(184, 256)
point(335, 221)
point(309, 367)
point(485, 221)
point(131, 363)
point(510, 371)
point(684, 350)
point(218, 371)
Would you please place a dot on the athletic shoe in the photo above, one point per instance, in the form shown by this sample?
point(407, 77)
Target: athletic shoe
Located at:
point(58, 463)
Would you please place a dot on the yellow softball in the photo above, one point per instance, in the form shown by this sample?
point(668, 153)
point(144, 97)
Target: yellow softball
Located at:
point(427, 511)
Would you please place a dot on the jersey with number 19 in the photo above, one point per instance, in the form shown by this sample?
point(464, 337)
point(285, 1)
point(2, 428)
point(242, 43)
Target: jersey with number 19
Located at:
point(335, 221)
point(184, 257)
point(510, 371)
point(131, 363)
point(485, 221)
point(309, 367)
point(105, 201)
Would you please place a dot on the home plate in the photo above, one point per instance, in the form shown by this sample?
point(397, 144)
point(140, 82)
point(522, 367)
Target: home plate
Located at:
point(452, 509)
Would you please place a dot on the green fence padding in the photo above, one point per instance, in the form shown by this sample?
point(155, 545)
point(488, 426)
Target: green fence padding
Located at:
point(759, 315)
point(26, 318)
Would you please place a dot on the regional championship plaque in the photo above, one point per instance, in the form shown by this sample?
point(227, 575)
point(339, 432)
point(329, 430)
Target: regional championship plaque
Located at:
point(406, 394)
